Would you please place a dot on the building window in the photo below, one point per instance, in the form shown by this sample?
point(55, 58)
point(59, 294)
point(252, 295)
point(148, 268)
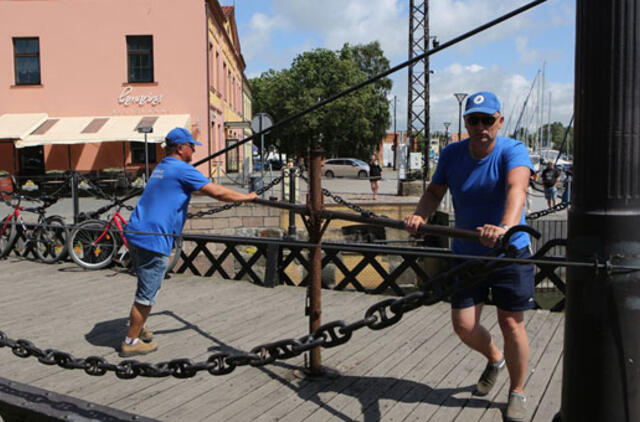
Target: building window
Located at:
point(137, 152)
point(26, 53)
point(140, 58)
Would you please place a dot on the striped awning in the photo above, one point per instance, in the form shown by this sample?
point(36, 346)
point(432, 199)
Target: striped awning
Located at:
point(17, 126)
point(81, 130)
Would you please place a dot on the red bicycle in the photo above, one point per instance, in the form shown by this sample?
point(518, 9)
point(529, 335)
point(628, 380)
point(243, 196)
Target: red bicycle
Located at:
point(94, 243)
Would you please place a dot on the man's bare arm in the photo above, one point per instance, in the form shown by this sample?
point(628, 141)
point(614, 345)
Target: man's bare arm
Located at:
point(428, 203)
point(225, 194)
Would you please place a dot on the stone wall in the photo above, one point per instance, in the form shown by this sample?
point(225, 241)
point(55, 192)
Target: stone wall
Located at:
point(261, 221)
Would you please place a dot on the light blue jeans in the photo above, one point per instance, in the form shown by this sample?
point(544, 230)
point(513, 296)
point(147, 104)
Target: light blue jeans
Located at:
point(150, 268)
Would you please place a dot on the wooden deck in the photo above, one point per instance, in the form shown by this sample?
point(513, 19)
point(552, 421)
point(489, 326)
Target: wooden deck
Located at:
point(414, 370)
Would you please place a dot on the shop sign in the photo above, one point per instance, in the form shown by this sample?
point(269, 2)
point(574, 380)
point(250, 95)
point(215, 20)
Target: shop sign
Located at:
point(126, 99)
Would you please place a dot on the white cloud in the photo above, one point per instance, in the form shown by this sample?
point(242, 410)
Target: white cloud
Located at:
point(336, 22)
point(511, 89)
point(526, 54)
point(330, 23)
point(256, 39)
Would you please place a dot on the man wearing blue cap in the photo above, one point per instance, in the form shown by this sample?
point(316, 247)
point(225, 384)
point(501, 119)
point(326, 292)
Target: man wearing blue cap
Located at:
point(162, 208)
point(488, 177)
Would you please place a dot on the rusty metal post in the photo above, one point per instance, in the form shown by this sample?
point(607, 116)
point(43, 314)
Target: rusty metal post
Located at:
point(315, 260)
point(601, 373)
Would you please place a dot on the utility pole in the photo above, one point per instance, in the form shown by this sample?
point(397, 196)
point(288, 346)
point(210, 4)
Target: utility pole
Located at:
point(601, 372)
point(446, 133)
point(418, 94)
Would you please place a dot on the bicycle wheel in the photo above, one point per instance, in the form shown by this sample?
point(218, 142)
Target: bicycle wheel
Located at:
point(86, 250)
point(51, 240)
point(175, 253)
point(8, 236)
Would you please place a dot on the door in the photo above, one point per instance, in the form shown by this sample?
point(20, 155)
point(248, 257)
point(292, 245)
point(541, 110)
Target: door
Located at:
point(31, 161)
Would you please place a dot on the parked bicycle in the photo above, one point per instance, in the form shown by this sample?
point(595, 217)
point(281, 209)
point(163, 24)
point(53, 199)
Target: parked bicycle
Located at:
point(94, 243)
point(47, 239)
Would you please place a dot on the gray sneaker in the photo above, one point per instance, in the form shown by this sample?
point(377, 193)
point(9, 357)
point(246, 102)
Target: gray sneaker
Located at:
point(489, 377)
point(516, 408)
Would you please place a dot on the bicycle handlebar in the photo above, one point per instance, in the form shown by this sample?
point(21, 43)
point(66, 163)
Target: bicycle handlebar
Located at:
point(115, 201)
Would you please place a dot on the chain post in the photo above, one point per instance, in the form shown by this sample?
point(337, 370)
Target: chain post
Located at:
point(315, 236)
point(292, 199)
point(74, 195)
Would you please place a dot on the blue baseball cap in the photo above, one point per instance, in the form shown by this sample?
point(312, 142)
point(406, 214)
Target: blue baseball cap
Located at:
point(482, 102)
point(179, 136)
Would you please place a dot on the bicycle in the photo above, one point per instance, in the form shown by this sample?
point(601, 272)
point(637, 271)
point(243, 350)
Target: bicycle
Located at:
point(47, 239)
point(93, 243)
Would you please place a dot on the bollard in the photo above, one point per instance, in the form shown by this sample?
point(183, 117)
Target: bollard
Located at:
point(315, 259)
point(292, 199)
point(75, 196)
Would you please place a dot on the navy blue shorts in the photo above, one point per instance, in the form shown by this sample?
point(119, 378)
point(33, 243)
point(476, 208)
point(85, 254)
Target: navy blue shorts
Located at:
point(511, 288)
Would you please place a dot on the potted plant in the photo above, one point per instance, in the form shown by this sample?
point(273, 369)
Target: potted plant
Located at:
point(6, 183)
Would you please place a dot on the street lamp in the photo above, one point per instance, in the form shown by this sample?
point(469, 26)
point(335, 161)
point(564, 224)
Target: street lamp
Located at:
point(460, 96)
point(145, 130)
point(446, 132)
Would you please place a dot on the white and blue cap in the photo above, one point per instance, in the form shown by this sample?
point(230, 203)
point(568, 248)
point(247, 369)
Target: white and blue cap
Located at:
point(180, 135)
point(482, 102)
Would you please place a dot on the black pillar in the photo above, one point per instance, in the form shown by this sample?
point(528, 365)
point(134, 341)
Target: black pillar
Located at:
point(601, 378)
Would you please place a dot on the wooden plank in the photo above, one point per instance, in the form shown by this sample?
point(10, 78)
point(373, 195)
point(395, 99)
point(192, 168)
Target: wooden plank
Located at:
point(382, 382)
point(551, 401)
point(391, 349)
point(416, 370)
point(273, 394)
point(419, 388)
point(538, 381)
point(539, 334)
point(459, 394)
point(238, 386)
point(195, 338)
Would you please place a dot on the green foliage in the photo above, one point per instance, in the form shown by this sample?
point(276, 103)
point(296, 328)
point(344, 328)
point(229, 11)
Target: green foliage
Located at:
point(350, 126)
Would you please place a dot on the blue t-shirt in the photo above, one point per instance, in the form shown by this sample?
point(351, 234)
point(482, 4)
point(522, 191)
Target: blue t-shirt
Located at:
point(478, 187)
point(162, 208)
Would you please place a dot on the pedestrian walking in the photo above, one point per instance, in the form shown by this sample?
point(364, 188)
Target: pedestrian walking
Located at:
point(550, 177)
point(162, 209)
point(375, 175)
point(488, 176)
point(566, 195)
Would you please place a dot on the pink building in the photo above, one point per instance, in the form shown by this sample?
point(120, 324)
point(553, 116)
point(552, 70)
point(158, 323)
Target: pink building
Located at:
point(81, 78)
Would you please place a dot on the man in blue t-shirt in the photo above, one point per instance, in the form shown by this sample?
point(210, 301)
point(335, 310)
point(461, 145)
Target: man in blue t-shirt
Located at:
point(487, 176)
point(162, 208)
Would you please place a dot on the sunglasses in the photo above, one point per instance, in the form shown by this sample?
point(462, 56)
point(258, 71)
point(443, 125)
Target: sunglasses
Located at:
point(486, 120)
point(190, 145)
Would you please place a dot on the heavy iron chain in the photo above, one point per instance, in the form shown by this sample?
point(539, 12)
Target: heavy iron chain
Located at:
point(542, 213)
point(339, 200)
point(235, 204)
point(380, 315)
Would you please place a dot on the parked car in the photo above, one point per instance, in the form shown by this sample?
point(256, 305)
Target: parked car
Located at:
point(345, 167)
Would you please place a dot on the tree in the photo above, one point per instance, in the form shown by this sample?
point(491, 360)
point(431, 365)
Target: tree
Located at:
point(351, 125)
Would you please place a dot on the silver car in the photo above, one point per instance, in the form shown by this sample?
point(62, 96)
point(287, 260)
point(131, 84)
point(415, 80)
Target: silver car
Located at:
point(345, 167)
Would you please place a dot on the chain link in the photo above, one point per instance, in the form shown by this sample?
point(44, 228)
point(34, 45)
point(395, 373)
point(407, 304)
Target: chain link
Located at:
point(542, 213)
point(340, 200)
point(380, 315)
point(225, 207)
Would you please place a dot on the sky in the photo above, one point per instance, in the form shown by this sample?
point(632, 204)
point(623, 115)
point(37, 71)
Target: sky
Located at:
point(505, 59)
